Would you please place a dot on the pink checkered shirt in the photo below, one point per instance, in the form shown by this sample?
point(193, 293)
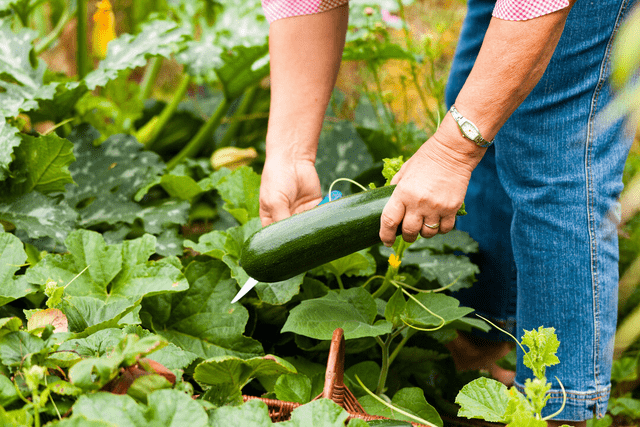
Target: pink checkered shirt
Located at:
point(510, 10)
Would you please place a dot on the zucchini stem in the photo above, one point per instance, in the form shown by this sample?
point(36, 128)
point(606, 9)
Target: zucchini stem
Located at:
point(384, 369)
point(401, 344)
point(196, 144)
point(391, 271)
point(348, 180)
point(149, 133)
point(149, 78)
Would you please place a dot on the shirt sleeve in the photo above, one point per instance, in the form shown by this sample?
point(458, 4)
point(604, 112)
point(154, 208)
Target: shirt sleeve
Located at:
point(278, 9)
point(521, 10)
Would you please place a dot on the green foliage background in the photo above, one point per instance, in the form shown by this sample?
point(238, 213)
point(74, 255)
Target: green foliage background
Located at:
point(121, 241)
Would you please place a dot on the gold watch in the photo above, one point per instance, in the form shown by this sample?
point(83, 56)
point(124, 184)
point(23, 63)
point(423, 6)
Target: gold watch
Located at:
point(468, 129)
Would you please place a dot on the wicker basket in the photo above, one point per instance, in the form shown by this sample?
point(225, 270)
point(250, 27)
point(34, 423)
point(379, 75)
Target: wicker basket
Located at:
point(334, 389)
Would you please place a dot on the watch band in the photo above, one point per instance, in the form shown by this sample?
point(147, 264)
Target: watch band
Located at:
point(468, 129)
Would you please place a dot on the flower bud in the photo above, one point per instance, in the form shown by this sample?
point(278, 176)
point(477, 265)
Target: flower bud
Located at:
point(232, 157)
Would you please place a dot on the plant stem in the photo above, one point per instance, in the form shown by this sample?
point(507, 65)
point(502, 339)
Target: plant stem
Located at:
point(149, 78)
point(401, 344)
point(384, 369)
point(82, 59)
point(391, 271)
point(246, 103)
point(196, 144)
point(148, 134)
point(340, 284)
point(388, 277)
point(54, 34)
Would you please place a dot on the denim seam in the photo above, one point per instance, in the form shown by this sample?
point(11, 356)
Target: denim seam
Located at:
point(591, 396)
point(602, 79)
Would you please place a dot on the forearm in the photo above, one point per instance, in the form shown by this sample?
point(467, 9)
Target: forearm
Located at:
point(513, 58)
point(305, 58)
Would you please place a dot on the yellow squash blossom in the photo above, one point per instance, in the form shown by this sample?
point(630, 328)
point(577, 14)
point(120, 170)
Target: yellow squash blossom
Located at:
point(394, 261)
point(103, 28)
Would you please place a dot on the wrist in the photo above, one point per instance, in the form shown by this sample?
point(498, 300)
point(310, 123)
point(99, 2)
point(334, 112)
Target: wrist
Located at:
point(290, 146)
point(450, 137)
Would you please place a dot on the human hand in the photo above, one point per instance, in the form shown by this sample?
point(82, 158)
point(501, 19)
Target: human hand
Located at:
point(430, 189)
point(287, 187)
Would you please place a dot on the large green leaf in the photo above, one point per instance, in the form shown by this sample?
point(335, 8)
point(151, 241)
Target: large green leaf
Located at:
point(483, 398)
point(353, 310)
point(82, 421)
point(42, 163)
point(8, 141)
point(12, 256)
point(86, 315)
point(242, 68)
point(321, 412)
point(341, 154)
point(359, 263)
point(173, 408)
point(9, 324)
point(158, 37)
point(201, 58)
point(294, 388)
point(61, 105)
point(455, 240)
point(39, 216)
point(202, 320)
point(8, 393)
point(108, 176)
point(227, 375)
point(24, 85)
point(446, 309)
point(103, 406)
point(253, 413)
point(94, 345)
point(16, 346)
point(113, 272)
point(454, 271)
point(240, 191)
point(409, 399)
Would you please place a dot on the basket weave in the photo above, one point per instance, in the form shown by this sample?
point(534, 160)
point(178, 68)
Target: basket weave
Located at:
point(334, 389)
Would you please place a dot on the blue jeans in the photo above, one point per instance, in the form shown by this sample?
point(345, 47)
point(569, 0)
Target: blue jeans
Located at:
point(542, 207)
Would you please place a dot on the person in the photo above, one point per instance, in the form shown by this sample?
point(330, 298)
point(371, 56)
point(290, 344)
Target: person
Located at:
point(540, 182)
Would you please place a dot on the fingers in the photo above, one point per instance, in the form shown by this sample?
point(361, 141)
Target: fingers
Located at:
point(273, 210)
point(390, 219)
point(416, 216)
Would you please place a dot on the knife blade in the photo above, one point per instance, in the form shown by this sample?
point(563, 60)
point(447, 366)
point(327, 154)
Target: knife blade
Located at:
point(249, 284)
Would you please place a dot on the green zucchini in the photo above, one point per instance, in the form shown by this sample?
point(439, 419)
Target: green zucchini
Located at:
point(309, 239)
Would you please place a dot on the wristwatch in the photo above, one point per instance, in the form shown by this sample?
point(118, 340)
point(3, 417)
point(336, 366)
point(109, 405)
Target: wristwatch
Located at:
point(468, 129)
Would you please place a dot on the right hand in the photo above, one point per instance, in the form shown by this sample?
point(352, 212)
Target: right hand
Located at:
point(287, 187)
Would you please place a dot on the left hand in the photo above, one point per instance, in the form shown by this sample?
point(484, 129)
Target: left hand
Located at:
point(431, 187)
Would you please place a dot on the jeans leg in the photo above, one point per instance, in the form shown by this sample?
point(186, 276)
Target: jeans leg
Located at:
point(489, 207)
point(564, 180)
point(559, 181)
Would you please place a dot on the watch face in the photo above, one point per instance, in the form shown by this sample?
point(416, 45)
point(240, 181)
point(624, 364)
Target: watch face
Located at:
point(470, 130)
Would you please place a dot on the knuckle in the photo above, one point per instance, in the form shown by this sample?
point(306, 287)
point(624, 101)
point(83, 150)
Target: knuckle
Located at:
point(387, 222)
